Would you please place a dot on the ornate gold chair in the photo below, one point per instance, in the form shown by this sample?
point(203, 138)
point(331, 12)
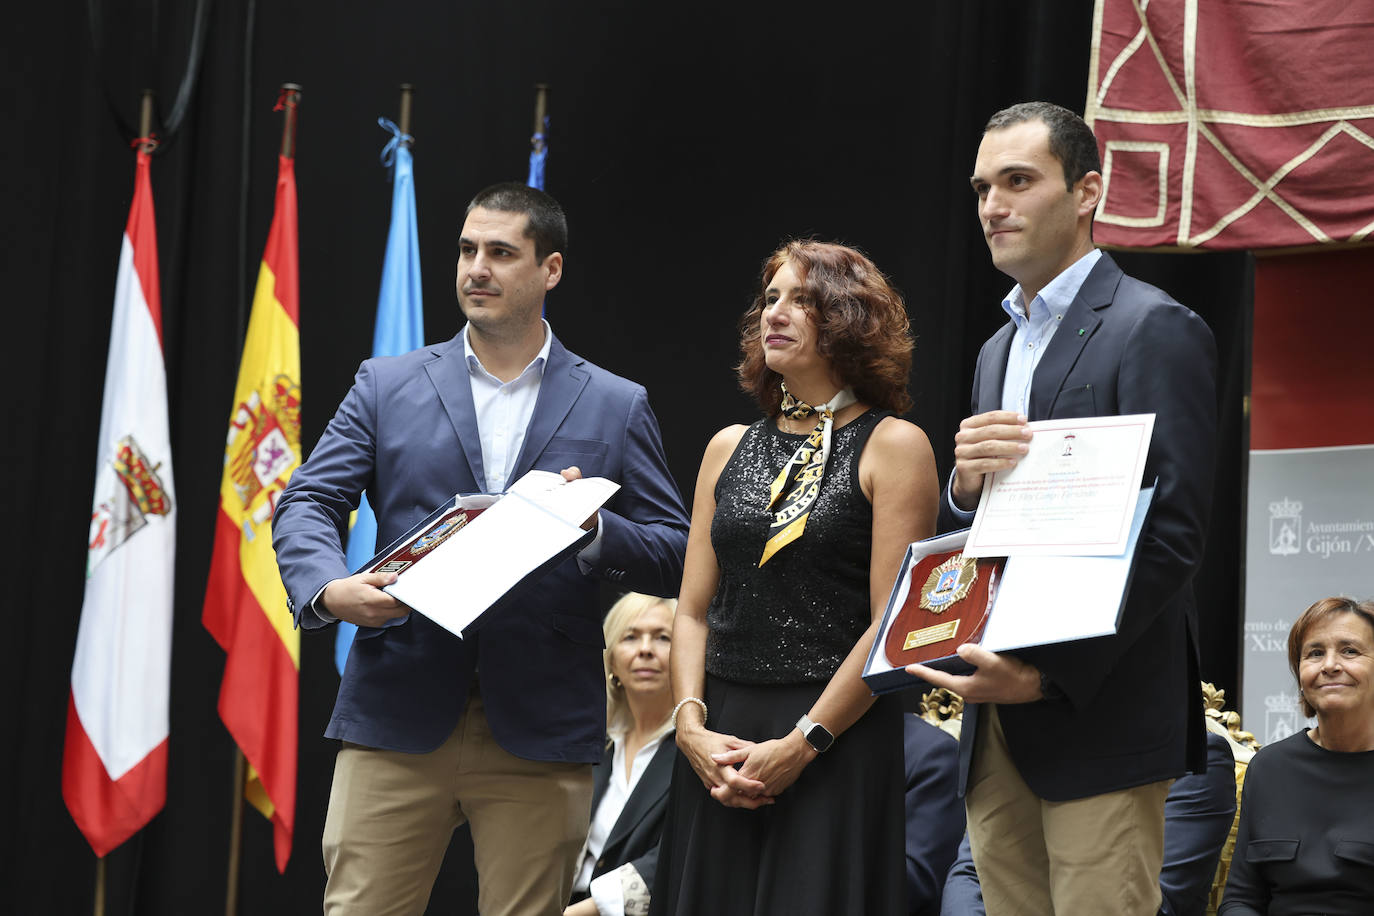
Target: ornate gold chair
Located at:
point(1226, 722)
point(944, 710)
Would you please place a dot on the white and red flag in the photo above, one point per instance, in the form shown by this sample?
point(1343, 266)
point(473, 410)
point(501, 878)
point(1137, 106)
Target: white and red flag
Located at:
point(114, 762)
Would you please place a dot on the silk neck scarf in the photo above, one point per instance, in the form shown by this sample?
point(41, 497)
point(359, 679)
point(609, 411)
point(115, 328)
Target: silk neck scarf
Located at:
point(794, 490)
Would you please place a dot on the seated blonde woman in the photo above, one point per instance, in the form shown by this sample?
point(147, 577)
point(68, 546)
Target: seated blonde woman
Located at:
point(630, 793)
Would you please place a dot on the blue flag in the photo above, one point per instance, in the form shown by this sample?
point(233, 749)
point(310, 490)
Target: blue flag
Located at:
point(539, 156)
point(400, 328)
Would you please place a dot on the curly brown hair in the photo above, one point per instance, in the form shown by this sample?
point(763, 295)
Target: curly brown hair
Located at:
point(862, 327)
point(1315, 614)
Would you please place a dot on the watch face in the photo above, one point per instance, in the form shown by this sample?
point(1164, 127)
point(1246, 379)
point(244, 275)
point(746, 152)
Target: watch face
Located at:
point(820, 738)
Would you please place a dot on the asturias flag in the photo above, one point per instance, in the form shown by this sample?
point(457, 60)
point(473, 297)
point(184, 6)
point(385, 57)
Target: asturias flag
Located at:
point(245, 602)
point(539, 156)
point(400, 328)
point(114, 761)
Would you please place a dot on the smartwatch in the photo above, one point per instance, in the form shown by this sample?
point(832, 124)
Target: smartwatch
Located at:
point(816, 735)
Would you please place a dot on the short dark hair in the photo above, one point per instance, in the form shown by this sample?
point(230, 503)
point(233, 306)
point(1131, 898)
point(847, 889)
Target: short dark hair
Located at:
point(548, 225)
point(861, 326)
point(1071, 139)
point(1315, 614)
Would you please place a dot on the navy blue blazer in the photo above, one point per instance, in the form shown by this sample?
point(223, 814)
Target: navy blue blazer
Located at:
point(407, 434)
point(963, 895)
point(635, 836)
point(934, 813)
point(1198, 815)
point(1123, 347)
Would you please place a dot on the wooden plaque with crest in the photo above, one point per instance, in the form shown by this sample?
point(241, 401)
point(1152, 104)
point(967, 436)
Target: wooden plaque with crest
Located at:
point(947, 605)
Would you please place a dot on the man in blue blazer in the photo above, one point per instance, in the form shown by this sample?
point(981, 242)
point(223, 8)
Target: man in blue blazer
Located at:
point(499, 728)
point(1063, 817)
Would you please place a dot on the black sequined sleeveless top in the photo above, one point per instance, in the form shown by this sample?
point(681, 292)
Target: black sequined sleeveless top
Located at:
point(795, 619)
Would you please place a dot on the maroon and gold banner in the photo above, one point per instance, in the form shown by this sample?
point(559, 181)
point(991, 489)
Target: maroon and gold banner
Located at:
point(1230, 125)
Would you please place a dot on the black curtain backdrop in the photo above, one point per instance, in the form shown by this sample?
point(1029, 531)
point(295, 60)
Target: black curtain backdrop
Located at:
point(687, 142)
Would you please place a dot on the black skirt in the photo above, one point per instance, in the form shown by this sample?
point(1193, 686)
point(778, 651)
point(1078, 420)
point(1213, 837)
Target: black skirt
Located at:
point(833, 843)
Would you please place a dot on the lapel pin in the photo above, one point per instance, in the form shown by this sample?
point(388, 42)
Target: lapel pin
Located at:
point(1081, 331)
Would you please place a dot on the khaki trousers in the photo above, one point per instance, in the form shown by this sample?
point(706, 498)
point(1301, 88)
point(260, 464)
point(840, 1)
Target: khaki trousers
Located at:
point(391, 816)
point(1087, 857)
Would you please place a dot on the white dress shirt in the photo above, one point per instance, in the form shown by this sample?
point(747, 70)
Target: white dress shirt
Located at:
point(504, 410)
point(503, 413)
point(605, 889)
point(1035, 326)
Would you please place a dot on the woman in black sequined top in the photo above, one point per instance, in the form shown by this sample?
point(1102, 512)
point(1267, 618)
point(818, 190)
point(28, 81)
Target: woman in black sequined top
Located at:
point(766, 816)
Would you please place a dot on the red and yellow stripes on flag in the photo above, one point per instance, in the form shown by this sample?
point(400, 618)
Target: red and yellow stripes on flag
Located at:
point(114, 760)
point(245, 602)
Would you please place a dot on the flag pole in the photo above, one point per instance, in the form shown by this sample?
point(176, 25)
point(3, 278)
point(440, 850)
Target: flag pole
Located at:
point(100, 886)
point(290, 98)
point(231, 893)
point(541, 113)
point(145, 123)
point(407, 92)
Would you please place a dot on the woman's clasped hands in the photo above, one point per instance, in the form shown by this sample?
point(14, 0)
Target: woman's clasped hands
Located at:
point(727, 785)
point(744, 774)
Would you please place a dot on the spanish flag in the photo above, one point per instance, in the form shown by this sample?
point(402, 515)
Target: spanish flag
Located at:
point(245, 602)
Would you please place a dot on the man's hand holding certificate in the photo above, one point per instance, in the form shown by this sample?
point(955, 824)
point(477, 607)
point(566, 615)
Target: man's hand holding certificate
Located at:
point(985, 444)
point(473, 550)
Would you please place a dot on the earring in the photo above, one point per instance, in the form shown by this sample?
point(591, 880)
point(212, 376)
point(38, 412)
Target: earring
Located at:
point(615, 681)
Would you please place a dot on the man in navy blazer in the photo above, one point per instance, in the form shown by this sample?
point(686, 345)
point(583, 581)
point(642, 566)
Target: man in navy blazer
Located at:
point(1067, 816)
point(499, 728)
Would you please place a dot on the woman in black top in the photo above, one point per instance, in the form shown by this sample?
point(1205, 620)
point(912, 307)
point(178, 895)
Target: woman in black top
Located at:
point(799, 524)
point(1305, 843)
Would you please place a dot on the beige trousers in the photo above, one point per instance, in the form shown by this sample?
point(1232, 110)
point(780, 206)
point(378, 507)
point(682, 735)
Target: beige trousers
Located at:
point(1086, 857)
point(391, 816)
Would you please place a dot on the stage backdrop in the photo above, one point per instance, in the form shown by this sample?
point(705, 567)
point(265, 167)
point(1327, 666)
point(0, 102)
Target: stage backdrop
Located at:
point(686, 142)
point(1310, 532)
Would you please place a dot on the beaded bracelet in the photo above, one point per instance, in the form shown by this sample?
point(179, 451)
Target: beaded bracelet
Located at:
point(683, 702)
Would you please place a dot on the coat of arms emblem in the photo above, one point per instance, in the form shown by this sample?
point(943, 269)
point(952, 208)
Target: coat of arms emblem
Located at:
point(134, 492)
point(264, 445)
point(1285, 527)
